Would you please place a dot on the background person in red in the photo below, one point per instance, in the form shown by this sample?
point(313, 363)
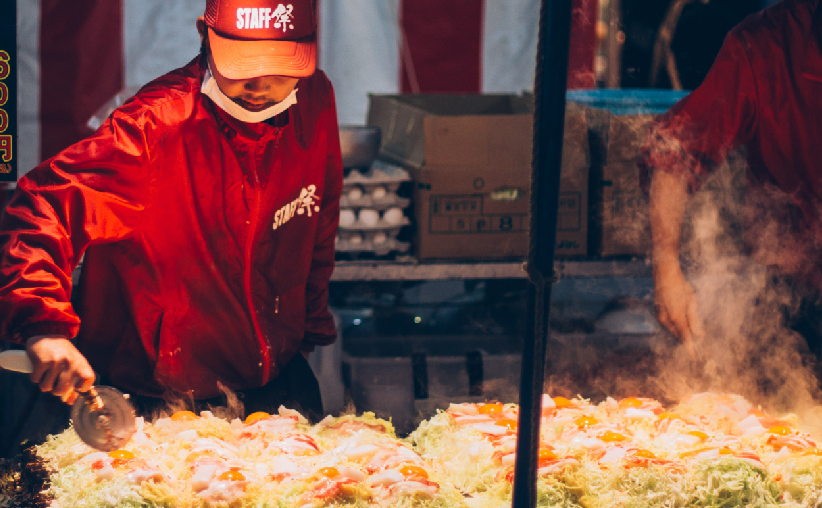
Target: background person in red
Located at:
point(763, 91)
point(206, 208)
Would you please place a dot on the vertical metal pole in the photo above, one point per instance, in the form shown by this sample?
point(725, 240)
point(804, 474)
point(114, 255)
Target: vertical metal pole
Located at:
point(549, 122)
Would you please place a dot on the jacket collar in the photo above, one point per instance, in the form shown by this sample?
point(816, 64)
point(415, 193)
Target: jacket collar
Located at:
point(231, 126)
point(812, 51)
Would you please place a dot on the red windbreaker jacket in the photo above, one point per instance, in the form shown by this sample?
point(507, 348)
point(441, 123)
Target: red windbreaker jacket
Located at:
point(763, 91)
point(208, 242)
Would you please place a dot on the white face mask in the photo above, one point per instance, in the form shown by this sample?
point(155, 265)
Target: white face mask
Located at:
point(212, 90)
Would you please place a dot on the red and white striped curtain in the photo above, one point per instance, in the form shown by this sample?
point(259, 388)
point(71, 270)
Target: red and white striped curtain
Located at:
point(75, 55)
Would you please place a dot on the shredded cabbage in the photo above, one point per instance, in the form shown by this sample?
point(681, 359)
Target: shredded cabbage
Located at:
point(607, 455)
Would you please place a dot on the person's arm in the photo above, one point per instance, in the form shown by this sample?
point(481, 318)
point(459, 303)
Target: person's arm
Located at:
point(59, 368)
point(682, 148)
point(674, 298)
point(92, 192)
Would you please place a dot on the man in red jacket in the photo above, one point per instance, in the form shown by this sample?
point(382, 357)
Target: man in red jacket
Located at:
point(206, 208)
point(764, 91)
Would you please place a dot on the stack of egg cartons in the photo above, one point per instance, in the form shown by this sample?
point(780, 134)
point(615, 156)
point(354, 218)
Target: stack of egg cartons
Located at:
point(371, 211)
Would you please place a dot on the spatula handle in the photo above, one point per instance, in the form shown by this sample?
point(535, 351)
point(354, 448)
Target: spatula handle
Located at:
point(16, 360)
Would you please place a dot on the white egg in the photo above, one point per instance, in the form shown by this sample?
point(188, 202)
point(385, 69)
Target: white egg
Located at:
point(379, 237)
point(393, 216)
point(547, 400)
point(369, 217)
point(387, 477)
point(202, 476)
point(613, 454)
point(361, 451)
point(354, 193)
point(355, 239)
point(107, 472)
point(379, 192)
point(347, 217)
point(488, 428)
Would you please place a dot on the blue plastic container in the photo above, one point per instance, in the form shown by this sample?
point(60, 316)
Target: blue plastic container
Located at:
point(627, 101)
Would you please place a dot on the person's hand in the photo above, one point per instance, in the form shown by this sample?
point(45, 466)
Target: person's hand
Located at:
point(59, 367)
point(675, 304)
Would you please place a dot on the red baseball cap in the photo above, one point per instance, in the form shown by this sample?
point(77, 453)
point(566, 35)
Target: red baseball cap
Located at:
point(253, 38)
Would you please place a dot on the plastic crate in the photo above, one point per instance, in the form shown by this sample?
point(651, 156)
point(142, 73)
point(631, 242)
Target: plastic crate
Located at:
point(627, 101)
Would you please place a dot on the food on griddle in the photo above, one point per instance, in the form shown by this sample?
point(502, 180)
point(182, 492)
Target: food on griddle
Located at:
point(189, 460)
point(711, 450)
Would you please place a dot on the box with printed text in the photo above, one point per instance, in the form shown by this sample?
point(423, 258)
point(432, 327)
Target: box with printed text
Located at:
point(470, 156)
point(621, 224)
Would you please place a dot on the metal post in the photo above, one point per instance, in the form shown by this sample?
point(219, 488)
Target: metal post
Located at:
point(549, 122)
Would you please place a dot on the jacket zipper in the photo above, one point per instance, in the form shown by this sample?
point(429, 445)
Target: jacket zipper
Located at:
point(265, 347)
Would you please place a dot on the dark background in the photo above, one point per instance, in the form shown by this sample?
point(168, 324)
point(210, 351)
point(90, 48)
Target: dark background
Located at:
point(702, 28)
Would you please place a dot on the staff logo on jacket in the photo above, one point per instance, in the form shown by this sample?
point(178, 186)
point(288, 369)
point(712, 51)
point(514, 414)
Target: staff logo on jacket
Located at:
point(307, 204)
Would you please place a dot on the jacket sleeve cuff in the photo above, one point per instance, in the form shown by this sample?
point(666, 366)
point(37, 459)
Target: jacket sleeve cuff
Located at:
point(312, 340)
point(23, 333)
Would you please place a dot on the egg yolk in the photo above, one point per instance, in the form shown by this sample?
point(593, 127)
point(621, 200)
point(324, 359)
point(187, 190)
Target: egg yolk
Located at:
point(508, 424)
point(813, 451)
point(409, 470)
point(329, 472)
point(780, 430)
point(701, 435)
point(547, 455)
point(231, 475)
point(585, 421)
point(488, 409)
point(121, 454)
point(120, 457)
point(253, 417)
point(644, 454)
point(561, 402)
point(612, 437)
point(630, 402)
point(184, 416)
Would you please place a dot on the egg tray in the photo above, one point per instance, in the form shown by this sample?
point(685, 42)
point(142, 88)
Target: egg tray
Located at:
point(390, 200)
point(367, 248)
point(379, 173)
point(389, 228)
point(369, 241)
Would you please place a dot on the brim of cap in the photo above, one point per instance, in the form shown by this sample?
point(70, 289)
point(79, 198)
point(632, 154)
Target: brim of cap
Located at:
point(247, 59)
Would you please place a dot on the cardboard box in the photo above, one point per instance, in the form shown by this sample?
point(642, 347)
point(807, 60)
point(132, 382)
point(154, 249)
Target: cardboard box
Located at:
point(626, 226)
point(624, 213)
point(471, 156)
point(621, 224)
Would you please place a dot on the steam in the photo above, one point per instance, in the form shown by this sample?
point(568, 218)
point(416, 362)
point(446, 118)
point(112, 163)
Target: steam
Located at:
point(738, 245)
point(232, 408)
point(746, 299)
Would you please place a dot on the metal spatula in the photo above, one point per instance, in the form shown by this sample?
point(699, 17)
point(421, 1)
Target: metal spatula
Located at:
point(102, 417)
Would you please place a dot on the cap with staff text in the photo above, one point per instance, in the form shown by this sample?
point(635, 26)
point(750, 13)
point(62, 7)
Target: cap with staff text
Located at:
point(254, 38)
